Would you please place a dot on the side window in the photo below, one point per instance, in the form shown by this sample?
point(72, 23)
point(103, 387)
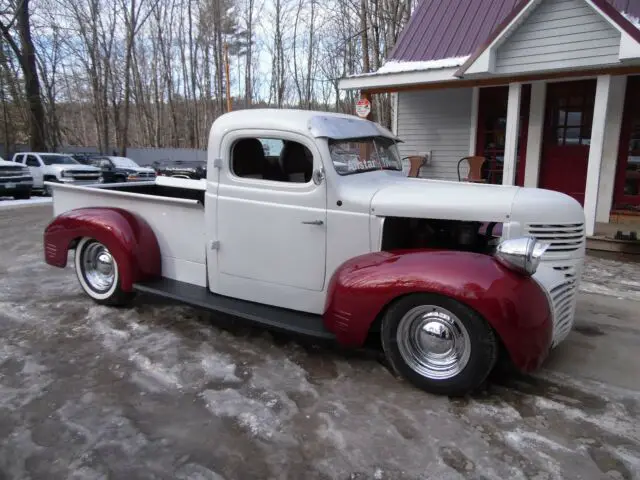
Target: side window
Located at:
point(32, 161)
point(272, 159)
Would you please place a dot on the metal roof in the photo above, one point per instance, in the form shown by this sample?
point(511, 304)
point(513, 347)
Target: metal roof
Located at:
point(445, 29)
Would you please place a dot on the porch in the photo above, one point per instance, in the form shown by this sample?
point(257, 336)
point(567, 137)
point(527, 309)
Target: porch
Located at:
point(549, 95)
point(579, 136)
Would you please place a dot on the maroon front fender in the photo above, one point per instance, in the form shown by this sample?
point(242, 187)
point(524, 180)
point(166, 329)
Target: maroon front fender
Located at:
point(129, 238)
point(513, 304)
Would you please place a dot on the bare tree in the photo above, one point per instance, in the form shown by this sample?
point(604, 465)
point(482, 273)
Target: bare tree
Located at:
point(17, 15)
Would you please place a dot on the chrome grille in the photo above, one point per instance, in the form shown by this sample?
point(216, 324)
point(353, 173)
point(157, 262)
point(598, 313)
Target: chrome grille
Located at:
point(563, 238)
point(10, 172)
point(563, 298)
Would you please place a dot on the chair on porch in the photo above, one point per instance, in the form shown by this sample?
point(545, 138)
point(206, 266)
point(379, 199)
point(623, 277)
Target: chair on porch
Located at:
point(475, 164)
point(416, 162)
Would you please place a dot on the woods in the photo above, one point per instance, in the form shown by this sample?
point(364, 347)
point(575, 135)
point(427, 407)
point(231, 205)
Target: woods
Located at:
point(152, 72)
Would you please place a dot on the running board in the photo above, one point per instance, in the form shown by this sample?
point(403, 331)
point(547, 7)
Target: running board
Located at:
point(270, 317)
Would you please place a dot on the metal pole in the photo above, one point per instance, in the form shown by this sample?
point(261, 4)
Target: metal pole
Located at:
point(226, 67)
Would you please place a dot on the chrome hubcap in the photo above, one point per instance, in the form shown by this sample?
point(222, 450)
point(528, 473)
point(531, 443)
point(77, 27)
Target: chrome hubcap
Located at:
point(433, 342)
point(98, 267)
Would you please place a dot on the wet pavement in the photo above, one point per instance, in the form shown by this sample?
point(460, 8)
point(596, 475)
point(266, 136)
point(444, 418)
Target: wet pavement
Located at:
point(165, 391)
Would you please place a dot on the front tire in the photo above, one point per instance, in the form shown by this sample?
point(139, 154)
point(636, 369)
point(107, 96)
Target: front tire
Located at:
point(438, 344)
point(98, 273)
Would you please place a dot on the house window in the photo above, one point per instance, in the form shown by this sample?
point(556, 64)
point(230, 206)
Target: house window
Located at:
point(573, 118)
point(632, 172)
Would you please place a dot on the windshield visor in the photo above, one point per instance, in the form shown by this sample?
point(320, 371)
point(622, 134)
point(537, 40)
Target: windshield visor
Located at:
point(364, 155)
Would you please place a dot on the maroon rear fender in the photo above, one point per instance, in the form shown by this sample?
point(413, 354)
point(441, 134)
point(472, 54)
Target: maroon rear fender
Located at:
point(514, 305)
point(129, 238)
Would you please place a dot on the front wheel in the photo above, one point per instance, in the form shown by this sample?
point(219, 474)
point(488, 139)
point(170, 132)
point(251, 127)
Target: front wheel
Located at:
point(98, 273)
point(439, 344)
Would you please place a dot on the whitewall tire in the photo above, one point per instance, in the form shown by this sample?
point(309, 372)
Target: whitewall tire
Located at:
point(98, 273)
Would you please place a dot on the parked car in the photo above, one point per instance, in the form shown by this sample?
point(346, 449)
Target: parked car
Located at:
point(349, 253)
point(15, 180)
point(133, 171)
point(179, 170)
point(56, 167)
point(108, 172)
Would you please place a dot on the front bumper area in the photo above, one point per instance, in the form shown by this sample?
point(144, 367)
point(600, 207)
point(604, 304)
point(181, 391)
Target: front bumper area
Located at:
point(71, 181)
point(10, 187)
point(560, 281)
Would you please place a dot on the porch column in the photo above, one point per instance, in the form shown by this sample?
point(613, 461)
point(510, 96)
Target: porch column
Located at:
point(511, 136)
point(596, 150)
point(534, 135)
point(473, 137)
point(611, 143)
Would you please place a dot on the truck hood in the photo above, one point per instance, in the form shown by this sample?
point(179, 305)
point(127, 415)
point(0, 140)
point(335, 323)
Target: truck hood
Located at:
point(79, 167)
point(4, 163)
point(422, 198)
point(137, 169)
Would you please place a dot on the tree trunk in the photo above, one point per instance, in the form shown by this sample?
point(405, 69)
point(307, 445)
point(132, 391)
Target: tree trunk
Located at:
point(31, 80)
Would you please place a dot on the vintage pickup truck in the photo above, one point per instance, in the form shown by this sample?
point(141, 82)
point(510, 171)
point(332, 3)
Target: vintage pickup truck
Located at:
point(329, 238)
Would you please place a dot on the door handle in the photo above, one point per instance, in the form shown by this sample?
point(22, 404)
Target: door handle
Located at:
point(314, 222)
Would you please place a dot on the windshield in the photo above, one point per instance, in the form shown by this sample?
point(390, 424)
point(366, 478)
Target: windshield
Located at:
point(364, 155)
point(124, 162)
point(58, 160)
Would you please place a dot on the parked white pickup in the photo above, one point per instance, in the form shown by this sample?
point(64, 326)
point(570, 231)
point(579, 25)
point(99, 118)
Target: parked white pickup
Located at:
point(56, 167)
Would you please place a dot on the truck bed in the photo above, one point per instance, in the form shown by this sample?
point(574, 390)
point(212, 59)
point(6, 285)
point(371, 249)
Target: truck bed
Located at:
point(163, 187)
point(170, 207)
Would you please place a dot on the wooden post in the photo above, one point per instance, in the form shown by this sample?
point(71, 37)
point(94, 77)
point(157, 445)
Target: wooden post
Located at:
point(511, 136)
point(226, 67)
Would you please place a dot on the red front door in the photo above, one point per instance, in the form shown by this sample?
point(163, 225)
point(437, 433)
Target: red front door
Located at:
point(567, 136)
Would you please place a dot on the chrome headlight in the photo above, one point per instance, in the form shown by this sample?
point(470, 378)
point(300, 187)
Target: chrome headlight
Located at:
point(26, 171)
point(521, 254)
point(65, 173)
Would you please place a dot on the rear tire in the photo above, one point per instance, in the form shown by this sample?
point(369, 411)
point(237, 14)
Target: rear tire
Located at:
point(98, 273)
point(438, 344)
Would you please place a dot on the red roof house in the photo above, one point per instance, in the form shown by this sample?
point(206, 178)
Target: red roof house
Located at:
point(547, 91)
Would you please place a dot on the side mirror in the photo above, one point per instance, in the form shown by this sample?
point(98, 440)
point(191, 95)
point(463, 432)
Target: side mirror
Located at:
point(318, 175)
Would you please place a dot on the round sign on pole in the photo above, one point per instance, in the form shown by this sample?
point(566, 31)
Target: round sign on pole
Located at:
point(363, 108)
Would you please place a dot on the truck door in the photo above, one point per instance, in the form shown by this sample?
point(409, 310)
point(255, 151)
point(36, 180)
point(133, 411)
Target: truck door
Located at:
point(271, 218)
point(36, 170)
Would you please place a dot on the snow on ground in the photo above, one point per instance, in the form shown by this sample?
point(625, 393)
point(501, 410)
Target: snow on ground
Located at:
point(9, 202)
point(166, 391)
point(611, 277)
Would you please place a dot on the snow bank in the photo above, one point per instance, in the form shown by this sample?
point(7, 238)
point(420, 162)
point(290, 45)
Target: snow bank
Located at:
point(8, 202)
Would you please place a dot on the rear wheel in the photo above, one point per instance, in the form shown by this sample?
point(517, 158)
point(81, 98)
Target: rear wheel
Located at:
point(438, 344)
point(99, 274)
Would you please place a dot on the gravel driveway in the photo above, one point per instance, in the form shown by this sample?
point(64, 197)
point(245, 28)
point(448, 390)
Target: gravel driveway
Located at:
point(165, 391)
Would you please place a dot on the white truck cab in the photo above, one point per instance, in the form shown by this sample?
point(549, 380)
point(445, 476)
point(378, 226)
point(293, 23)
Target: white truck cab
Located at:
point(56, 167)
point(322, 233)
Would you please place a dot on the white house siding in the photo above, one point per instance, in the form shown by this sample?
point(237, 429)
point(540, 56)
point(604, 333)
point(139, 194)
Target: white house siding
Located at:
point(436, 121)
point(559, 34)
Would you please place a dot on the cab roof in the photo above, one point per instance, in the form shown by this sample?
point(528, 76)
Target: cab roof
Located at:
point(304, 122)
